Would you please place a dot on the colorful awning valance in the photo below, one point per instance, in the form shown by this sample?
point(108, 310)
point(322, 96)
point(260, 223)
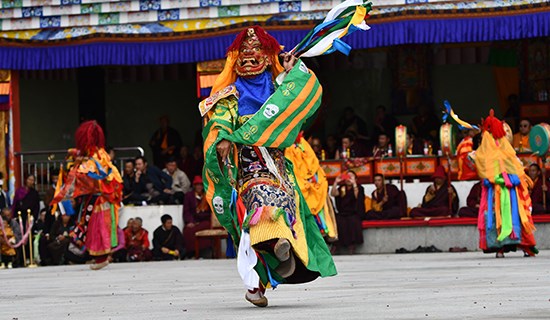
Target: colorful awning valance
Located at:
point(168, 43)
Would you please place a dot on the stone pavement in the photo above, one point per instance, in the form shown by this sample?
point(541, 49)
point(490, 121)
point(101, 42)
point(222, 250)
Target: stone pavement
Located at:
point(410, 286)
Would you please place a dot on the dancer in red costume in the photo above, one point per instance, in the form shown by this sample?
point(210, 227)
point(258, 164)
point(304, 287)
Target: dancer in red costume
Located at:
point(95, 185)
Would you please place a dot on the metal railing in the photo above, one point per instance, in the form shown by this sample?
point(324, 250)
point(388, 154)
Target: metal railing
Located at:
point(33, 162)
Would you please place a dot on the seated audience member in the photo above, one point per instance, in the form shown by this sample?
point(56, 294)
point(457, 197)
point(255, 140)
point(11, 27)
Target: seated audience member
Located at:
point(129, 224)
point(385, 201)
point(520, 141)
point(435, 202)
point(112, 154)
point(40, 230)
point(472, 203)
point(414, 146)
point(11, 235)
point(4, 199)
point(538, 190)
point(355, 149)
point(39, 225)
point(137, 242)
point(196, 216)
point(157, 183)
point(332, 147)
point(132, 186)
point(59, 239)
point(381, 149)
point(317, 147)
point(167, 240)
point(180, 182)
point(77, 253)
point(350, 203)
point(466, 167)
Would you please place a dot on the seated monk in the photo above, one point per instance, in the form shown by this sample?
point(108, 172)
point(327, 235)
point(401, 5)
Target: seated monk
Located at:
point(137, 242)
point(472, 203)
point(466, 167)
point(385, 201)
point(196, 216)
point(539, 188)
point(435, 202)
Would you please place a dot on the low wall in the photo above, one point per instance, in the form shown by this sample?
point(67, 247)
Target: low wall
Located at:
point(386, 240)
point(151, 216)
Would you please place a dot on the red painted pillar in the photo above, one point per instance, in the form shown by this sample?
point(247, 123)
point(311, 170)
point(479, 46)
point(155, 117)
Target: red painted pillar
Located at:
point(16, 124)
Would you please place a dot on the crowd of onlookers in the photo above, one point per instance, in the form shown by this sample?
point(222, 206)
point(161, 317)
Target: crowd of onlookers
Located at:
point(174, 177)
point(387, 202)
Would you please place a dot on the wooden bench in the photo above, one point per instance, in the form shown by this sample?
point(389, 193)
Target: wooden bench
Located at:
point(216, 233)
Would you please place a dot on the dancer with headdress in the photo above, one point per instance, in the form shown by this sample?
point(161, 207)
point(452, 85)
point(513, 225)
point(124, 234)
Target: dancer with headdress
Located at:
point(248, 182)
point(93, 185)
point(504, 219)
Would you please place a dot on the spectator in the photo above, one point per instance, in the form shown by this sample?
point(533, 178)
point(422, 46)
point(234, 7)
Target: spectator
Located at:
point(12, 233)
point(471, 209)
point(383, 122)
point(40, 223)
point(180, 182)
point(76, 252)
point(26, 197)
point(538, 190)
point(414, 146)
point(129, 224)
point(133, 188)
point(436, 199)
point(4, 199)
point(385, 200)
point(350, 203)
point(112, 154)
point(521, 138)
point(350, 123)
point(157, 183)
point(137, 242)
point(356, 150)
point(317, 147)
point(381, 150)
point(59, 239)
point(48, 197)
point(196, 216)
point(332, 147)
point(187, 163)
point(165, 142)
point(466, 167)
point(167, 240)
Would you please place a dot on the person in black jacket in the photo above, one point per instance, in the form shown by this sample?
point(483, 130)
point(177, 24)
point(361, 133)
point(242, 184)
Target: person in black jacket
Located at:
point(167, 240)
point(157, 183)
point(132, 189)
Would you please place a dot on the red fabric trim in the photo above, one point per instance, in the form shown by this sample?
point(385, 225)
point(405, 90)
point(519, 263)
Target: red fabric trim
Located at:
point(436, 222)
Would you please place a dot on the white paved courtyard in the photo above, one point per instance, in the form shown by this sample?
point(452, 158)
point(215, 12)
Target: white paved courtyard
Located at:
point(411, 286)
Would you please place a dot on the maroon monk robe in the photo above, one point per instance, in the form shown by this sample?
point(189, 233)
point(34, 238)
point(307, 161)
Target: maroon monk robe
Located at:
point(472, 203)
point(390, 209)
point(537, 198)
point(137, 245)
point(348, 218)
point(438, 205)
point(197, 212)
